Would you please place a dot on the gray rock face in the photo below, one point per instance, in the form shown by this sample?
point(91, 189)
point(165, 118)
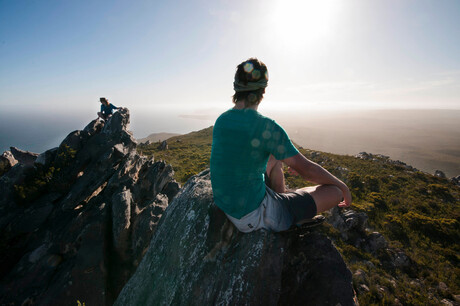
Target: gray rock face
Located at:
point(375, 242)
point(385, 160)
point(196, 256)
point(456, 180)
point(163, 145)
point(351, 224)
point(352, 227)
point(439, 173)
point(47, 157)
point(7, 161)
point(87, 227)
point(23, 157)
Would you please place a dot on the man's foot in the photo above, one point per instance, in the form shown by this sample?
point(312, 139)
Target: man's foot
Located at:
point(306, 224)
point(315, 221)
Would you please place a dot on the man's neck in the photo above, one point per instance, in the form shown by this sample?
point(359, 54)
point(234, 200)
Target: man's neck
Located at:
point(242, 105)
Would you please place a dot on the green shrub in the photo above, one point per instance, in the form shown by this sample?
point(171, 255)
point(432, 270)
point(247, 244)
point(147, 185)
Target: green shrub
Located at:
point(372, 183)
point(438, 228)
point(35, 184)
point(377, 199)
point(440, 191)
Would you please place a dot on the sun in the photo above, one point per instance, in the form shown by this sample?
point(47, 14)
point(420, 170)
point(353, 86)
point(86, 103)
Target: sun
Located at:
point(296, 24)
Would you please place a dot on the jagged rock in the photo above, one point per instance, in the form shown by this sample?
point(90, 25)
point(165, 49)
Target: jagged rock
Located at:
point(363, 288)
point(7, 181)
point(197, 256)
point(456, 180)
point(443, 287)
point(375, 241)
point(23, 157)
point(350, 223)
point(121, 216)
point(93, 127)
point(384, 159)
point(163, 145)
point(400, 259)
point(456, 297)
point(7, 161)
point(363, 155)
point(73, 141)
point(439, 173)
point(47, 157)
point(117, 123)
point(83, 239)
point(352, 227)
point(360, 276)
point(447, 302)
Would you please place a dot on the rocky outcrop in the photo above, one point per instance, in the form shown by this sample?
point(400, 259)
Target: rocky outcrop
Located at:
point(163, 145)
point(197, 257)
point(353, 229)
point(439, 173)
point(23, 157)
point(76, 222)
point(456, 180)
point(383, 159)
point(7, 161)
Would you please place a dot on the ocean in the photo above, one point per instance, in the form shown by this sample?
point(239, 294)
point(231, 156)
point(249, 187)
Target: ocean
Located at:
point(426, 139)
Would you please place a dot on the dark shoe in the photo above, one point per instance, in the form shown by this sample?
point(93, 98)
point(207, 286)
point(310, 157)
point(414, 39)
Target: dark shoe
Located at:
point(316, 220)
point(306, 224)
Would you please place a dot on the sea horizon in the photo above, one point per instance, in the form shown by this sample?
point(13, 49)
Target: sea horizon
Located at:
point(427, 139)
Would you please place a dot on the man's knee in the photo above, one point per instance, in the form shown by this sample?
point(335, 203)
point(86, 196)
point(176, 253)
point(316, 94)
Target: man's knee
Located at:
point(337, 192)
point(334, 192)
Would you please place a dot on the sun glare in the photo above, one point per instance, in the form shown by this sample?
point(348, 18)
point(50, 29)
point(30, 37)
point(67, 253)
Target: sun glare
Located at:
point(296, 24)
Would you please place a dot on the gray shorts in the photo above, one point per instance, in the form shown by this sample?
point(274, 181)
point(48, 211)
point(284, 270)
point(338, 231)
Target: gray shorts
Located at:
point(278, 212)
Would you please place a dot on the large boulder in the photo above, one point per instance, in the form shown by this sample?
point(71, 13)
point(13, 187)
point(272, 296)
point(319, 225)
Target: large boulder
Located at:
point(197, 257)
point(89, 222)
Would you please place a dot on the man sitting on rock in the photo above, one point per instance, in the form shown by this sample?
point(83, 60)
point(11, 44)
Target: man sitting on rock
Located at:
point(106, 109)
point(248, 152)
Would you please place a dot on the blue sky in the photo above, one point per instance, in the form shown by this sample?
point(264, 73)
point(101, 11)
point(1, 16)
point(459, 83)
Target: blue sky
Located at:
point(179, 57)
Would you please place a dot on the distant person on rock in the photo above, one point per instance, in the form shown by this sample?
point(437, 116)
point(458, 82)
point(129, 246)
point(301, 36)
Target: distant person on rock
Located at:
point(106, 109)
point(248, 152)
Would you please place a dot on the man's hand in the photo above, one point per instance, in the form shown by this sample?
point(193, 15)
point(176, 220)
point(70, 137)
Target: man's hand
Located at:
point(346, 197)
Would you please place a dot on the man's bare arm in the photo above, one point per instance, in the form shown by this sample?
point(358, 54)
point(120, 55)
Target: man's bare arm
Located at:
point(313, 172)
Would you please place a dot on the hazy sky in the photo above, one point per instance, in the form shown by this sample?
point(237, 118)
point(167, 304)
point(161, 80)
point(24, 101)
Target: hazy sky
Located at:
point(180, 56)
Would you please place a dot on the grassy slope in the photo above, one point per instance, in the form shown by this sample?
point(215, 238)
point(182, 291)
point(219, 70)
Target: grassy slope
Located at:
point(157, 137)
point(188, 154)
point(415, 211)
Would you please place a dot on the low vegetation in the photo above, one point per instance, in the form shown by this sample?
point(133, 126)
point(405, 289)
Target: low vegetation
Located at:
point(40, 179)
point(188, 154)
point(415, 211)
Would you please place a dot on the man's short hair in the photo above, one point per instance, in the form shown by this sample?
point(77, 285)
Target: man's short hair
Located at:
point(250, 71)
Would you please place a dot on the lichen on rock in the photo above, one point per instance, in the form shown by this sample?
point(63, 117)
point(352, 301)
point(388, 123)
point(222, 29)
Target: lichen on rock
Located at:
point(197, 257)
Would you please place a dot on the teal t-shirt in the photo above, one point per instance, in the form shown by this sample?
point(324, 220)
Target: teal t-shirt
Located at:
point(242, 142)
